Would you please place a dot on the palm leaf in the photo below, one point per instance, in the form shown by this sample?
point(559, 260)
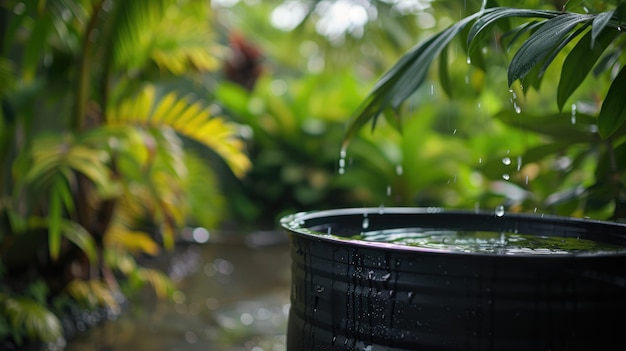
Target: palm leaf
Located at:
point(51, 155)
point(133, 241)
point(542, 43)
point(401, 80)
point(613, 111)
point(187, 118)
point(493, 15)
point(162, 285)
point(180, 42)
point(580, 61)
point(133, 22)
point(67, 229)
point(202, 189)
point(184, 42)
point(93, 293)
point(28, 315)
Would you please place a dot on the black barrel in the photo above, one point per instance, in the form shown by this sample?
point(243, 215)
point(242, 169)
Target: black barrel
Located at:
point(359, 295)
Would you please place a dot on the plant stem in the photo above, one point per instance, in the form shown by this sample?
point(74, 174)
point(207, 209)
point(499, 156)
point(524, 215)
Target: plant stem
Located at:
point(84, 68)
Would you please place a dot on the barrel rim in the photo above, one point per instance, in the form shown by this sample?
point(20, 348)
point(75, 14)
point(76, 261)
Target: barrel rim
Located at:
point(295, 224)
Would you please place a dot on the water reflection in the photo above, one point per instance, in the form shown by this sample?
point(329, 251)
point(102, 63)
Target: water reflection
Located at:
point(234, 295)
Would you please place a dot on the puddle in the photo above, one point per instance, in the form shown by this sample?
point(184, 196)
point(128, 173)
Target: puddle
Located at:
point(234, 296)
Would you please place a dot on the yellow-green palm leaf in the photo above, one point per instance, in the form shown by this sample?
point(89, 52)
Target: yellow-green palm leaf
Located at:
point(174, 34)
point(28, 315)
point(187, 118)
point(93, 293)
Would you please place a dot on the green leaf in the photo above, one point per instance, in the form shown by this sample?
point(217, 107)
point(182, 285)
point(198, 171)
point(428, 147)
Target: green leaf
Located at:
point(36, 46)
point(613, 112)
point(560, 47)
point(553, 125)
point(35, 319)
point(55, 213)
point(518, 33)
point(493, 15)
point(599, 23)
point(580, 62)
point(444, 74)
point(408, 74)
point(607, 62)
point(542, 43)
point(78, 235)
point(131, 37)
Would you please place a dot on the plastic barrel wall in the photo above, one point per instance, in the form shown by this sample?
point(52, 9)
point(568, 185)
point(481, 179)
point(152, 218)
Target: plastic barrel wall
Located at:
point(357, 295)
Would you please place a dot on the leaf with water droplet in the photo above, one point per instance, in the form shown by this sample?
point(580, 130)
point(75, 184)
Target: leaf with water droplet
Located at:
point(403, 78)
point(542, 43)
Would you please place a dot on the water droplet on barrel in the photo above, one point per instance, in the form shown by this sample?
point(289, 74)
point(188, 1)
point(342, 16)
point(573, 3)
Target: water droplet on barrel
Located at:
point(500, 211)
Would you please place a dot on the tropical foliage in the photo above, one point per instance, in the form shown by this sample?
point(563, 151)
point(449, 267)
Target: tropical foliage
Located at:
point(94, 139)
point(592, 137)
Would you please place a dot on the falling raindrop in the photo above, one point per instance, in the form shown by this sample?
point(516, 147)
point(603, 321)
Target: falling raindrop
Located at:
point(469, 60)
point(381, 209)
point(342, 161)
point(500, 211)
point(388, 190)
point(399, 170)
point(366, 222)
point(513, 100)
point(573, 113)
point(328, 232)
point(519, 163)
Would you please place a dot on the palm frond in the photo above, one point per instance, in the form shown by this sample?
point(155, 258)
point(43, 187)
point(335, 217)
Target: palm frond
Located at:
point(183, 41)
point(28, 315)
point(45, 173)
point(547, 39)
point(133, 23)
point(92, 293)
point(187, 118)
point(134, 241)
point(206, 203)
point(65, 228)
point(401, 80)
point(161, 283)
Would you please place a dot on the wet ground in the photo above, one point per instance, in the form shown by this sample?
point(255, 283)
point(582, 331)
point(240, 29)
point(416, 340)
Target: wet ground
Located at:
point(233, 295)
